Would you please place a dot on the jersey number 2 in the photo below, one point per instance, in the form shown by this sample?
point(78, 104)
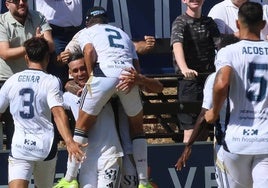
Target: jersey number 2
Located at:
point(114, 36)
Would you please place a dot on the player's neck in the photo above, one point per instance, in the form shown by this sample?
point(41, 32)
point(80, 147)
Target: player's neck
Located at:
point(36, 66)
point(247, 35)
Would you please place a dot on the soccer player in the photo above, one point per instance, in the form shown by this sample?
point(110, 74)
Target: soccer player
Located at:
point(242, 69)
point(32, 95)
point(102, 166)
point(199, 128)
point(108, 51)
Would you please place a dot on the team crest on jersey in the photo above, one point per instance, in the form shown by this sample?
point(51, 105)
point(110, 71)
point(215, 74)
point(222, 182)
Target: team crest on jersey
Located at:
point(59, 98)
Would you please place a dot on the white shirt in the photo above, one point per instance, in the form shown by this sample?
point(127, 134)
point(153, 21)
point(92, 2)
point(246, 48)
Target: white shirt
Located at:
point(73, 45)
point(62, 13)
point(31, 94)
point(114, 48)
point(247, 131)
point(225, 15)
point(208, 99)
point(103, 135)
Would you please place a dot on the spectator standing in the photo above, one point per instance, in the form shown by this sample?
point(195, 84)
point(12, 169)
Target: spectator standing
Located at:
point(244, 75)
point(65, 18)
point(16, 26)
point(32, 95)
point(194, 40)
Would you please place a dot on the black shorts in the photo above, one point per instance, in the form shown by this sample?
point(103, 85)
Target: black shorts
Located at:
point(189, 91)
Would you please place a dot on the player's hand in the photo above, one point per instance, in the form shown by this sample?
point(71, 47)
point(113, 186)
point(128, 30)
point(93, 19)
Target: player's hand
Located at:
point(183, 158)
point(73, 88)
point(63, 57)
point(75, 151)
point(38, 32)
point(210, 116)
point(189, 73)
point(127, 80)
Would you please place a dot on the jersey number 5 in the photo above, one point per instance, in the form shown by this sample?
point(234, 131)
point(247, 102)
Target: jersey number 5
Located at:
point(254, 76)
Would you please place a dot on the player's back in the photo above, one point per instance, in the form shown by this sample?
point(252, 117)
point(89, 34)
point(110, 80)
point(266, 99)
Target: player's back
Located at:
point(31, 94)
point(110, 42)
point(248, 95)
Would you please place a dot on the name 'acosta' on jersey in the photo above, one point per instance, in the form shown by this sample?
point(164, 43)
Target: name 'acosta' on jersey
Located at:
point(255, 50)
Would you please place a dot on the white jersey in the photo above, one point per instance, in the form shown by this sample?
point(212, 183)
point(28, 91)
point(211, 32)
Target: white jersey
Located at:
point(103, 135)
point(63, 13)
point(115, 49)
point(31, 94)
point(247, 131)
point(73, 45)
point(225, 15)
point(208, 99)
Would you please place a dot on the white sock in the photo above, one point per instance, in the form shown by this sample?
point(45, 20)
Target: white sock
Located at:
point(140, 157)
point(73, 166)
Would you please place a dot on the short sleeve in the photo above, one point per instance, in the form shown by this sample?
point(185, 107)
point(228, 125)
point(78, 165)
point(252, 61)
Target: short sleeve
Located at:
point(208, 92)
point(4, 101)
point(55, 95)
point(177, 30)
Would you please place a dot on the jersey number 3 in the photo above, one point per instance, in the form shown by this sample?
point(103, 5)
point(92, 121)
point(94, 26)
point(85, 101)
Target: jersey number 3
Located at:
point(27, 95)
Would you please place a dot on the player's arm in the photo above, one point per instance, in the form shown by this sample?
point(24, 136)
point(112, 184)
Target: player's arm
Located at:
point(90, 57)
point(180, 59)
point(146, 45)
point(73, 88)
point(132, 77)
point(199, 129)
point(61, 120)
point(220, 92)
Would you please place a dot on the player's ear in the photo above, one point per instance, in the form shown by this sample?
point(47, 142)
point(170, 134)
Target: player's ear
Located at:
point(263, 23)
point(237, 24)
point(26, 58)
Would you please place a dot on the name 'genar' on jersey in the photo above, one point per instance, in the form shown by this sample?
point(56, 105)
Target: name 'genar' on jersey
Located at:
point(29, 78)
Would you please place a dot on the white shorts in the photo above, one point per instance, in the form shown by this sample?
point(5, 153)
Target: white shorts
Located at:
point(43, 171)
point(100, 172)
point(246, 171)
point(129, 173)
point(220, 171)
point(124, 130)
point(98, 92)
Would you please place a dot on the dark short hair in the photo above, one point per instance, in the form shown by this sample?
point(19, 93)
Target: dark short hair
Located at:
point(250, 13)
point(75, 56)
point(36, 49)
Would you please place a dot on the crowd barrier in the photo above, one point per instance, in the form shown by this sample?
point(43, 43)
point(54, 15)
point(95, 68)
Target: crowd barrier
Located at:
point(198, 173)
